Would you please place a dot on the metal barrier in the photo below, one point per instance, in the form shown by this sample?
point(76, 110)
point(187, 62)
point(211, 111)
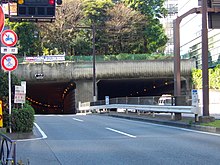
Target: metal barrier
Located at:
point(143, 104)
point(7, 151)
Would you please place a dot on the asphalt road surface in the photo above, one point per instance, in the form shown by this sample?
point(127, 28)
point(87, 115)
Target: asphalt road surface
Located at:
point(103, 140)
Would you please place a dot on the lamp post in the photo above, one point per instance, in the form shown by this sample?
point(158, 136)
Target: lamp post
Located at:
point(94, 61)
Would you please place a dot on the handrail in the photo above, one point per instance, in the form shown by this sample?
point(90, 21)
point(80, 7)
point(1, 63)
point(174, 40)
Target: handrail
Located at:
point(7, 150)
point(142, 104)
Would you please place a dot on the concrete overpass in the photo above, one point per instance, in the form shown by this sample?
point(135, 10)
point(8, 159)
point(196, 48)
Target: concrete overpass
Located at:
point(67, 83)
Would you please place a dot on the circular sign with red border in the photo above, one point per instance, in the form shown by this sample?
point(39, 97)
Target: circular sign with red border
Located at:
point(2, 19)
point(9, 62)
point(9, 37)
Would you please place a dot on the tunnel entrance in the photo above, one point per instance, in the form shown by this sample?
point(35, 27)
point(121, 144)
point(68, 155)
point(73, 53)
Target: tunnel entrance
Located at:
point(52, 97)
point(135, 87)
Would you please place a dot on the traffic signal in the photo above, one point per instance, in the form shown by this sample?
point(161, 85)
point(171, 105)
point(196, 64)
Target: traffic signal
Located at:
point(36, 8)
point(59, 2)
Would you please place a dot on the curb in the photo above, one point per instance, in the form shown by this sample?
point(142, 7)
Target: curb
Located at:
point(170, 123)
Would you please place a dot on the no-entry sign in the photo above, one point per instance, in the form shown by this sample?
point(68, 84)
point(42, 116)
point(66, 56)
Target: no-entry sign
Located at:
point(9, 62)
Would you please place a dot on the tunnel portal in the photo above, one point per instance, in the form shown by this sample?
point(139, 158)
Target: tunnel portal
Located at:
point(60, 97)
point(52, 97)
point(135, 87)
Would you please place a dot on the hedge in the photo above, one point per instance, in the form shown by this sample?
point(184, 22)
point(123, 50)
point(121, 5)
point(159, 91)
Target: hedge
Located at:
point(22, 119)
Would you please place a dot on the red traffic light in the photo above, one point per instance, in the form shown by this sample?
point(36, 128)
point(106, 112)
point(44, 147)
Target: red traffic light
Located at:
point(51, 2)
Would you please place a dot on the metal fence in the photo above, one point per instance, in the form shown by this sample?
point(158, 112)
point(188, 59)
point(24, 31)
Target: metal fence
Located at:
point(151, 100)
point(7, 151)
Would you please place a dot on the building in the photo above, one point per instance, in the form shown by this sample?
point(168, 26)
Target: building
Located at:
point(190, 33)
point(172, 8)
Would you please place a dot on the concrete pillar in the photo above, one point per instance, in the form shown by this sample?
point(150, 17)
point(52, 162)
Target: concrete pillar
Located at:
point(84, 91)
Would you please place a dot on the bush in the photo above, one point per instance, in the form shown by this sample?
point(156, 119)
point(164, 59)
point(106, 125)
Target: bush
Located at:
point(22, 119)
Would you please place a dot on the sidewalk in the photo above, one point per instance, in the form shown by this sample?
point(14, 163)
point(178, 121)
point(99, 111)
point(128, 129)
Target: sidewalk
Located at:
point(188, 120)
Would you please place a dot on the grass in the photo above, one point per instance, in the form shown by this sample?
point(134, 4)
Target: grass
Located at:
point(216, 124)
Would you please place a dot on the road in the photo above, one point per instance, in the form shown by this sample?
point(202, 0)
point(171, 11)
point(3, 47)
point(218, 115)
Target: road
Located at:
point(103, 140)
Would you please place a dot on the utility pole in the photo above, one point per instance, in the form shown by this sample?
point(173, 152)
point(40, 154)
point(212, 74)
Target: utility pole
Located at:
point(205, 75)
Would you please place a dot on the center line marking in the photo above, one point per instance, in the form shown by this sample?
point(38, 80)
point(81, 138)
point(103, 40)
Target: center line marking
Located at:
point(77, 119)
point(120, 132)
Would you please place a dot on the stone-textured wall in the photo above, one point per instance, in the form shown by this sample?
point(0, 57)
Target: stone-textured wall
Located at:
point(82, 73)
point(104, 70)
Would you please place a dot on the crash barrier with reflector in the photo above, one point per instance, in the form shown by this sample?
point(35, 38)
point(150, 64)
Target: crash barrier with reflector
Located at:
point(142, 104)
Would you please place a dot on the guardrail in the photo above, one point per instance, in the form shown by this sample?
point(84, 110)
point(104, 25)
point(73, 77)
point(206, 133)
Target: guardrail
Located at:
point(143, 104)
point(7, 150)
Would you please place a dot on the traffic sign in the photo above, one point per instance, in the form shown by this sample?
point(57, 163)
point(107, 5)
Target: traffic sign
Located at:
point(19, 94)
point(2, 19)
point(9, 50)
point(9, 62)
point(9, 37)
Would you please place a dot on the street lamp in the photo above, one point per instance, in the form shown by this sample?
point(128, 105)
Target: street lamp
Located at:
point(94, 61)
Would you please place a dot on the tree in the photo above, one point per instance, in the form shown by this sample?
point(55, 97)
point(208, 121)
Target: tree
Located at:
point(95, 11)
point(62, 32)
point(128, 27)
point(28, 38)
point(154, 35)
point(123, 30)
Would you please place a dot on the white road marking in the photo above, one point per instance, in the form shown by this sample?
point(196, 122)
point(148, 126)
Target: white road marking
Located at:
point(77, 119)
point(179, 128)
point(120, 132)
point(44, 136)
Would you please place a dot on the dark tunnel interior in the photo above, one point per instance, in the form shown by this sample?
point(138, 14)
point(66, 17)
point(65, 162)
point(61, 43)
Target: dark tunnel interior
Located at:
point(59, 97)
point(134, 87)
point(52, 97)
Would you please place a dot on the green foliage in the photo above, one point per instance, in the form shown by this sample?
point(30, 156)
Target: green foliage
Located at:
point(4, 87)
point(22, 119)
point(197, 78)
point(214, 78)
point(122, 56)
point(154, 35)
point(28, 37)
point(152, 8)
point(216, 124)
point(95, 10)
point(128, 26)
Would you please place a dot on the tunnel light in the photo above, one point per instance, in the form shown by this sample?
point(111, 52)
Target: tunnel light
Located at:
point(20, 2)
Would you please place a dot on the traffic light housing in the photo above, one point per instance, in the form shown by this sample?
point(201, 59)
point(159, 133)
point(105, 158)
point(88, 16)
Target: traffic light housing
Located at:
point(36, 8)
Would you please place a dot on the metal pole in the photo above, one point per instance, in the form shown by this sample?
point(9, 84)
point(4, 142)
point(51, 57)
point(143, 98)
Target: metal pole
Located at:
point(177, 79)
point(205, 77)
point(94, 61)
point(9, 99)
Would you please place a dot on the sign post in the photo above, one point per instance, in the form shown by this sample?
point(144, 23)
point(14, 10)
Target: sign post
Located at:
point(9, 62)
point(1, 117)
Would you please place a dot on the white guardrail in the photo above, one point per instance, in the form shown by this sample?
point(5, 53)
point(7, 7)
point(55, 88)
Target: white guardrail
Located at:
point(144, 108)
